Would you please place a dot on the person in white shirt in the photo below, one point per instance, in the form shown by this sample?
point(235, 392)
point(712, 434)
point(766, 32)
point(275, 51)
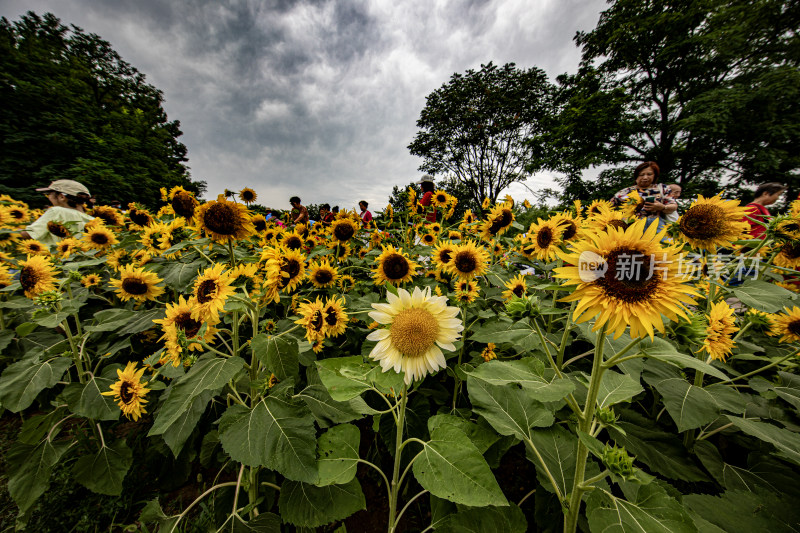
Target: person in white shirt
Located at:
point(674, 192)
point(66, 216)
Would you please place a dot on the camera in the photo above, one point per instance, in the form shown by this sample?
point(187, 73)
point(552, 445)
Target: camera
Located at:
point(649, 199)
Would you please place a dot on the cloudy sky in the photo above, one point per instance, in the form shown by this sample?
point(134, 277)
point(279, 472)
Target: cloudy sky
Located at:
point(318, 98)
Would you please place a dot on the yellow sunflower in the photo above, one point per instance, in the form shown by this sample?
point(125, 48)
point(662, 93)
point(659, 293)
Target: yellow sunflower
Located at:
point(626, 278)
point(312, 317)
point(570, 224)
point(440, 199)
point(545, 237)
point(597, 206)
point(454, 235)
point(632, 205)
point(223, 221)
point(137, 284)
point(788, 255)
point(428, 239)
point(411, 199)
point(343, 229)
point(247, 195)
point(5, 276)
point(139, 217)
point(335, 317)
point(787, 228)
point(98, 238)
point(497, 222)
point(394, 267)
point(177, 323)
point(442, 254)
point(211, 290)
point(182, 202)
point(286, 269)
point(468, 218)
point(468, 260)
point(712, 222)
point(36, 275)
point(259, 223)
point(605, 218)
point(129, 391)
point(8, 239)
point(786, 325)
point(341, 251)
point(109, 215)
point(718, 341)
point(346, 283)
point(292, 241)
point(417, 327)
point(516, 286)
point(498, 250)
point(57, 230)
point(323, 275)
point(19, 214)
point(90, 280)
point(486, 203)
point(32, 247)
point(467, 296)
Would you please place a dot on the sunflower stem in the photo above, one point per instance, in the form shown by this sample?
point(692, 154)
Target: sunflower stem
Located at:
point(759, 370)
point(457, 384)
point(76, 356)
point(252, 492)
point(565, 337)
point(585, 425)
point(231, 254)
point(398, 450)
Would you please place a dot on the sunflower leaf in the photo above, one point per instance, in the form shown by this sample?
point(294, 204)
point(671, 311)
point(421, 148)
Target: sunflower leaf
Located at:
point(508, 409)
point(87, 399)
point(22, 381)
point(305, 505)
point(764, 296)
point(648, 509)
point(328, 411)
point(104, 471)
point(345, 377)
point(489, 519)
point(787, 442)
point(278, 354)
point(529, 373)
point(337, 455)
point(616, 388)
point(29, 469)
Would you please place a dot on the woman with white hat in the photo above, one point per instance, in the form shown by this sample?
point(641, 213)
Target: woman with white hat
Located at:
point(65, 217)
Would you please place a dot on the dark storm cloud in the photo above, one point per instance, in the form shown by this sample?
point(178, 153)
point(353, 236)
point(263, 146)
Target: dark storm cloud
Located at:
point(317, 98)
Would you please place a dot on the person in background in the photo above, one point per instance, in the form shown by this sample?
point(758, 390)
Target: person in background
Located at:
point(673, 191)
point(426, 184)
point(766, 194)
point(366, 216)
point(657, 205)
point(299, 212)
point(335, 210)
point(66, 216)
point(325, 215)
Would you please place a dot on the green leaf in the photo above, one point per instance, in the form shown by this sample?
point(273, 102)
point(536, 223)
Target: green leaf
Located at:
point(278, 354)
point(345, 377)
point(276, 433)
point(263, 523)
point(509, 410)
point(789, 389)
point(337, 453)
point(558, 448)
point(305, 505)
point(87, 400)
point(22, 381)
point(180, 430)
point(451, 467)
point(764, 296)
point(689, 406)
point(125, 321)
point(328, 411)
point(104, 471)
point(730, 476)
point(615, 388)
point(737, 511)
point(787, 442)
point(650, 511)
point(179, 276)
point(521, 334)
point(527, 372)
point(29, 469)
point(152, 513)
point(489, 519)
point(663, 351)
point(25, 329)
point(481, 437)
point(207, 373)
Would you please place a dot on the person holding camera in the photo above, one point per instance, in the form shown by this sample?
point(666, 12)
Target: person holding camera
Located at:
point(657, 203)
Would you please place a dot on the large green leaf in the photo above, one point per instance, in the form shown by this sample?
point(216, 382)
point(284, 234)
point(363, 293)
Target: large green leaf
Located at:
point(488, 519)
point(153, 513)
point(764, 296)
point(789, 388)
point(651, 510)
point(740, 511)
point(179, 276)
point(22, 381)
point(277, 433)
point(521, 334)
point(661, 350)
point(87, 399)
point(731, 476)
point(104, 471)
point(29, 469)
point(508, 409)
point(345, 377)
point(328, 411)
point(182, 428)
point(787, 442)
point(528, 373)
point(557, 447)
point(207, 373)
point(278, 354)
point(125, 321)
point(451, 467)
point(689, 406)
point(337, 453)
point(305, 505)
point(615, 388)
point(482, 437)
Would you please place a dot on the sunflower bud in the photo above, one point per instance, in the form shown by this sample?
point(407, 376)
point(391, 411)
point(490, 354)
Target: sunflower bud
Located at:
point(692, 330)
point(618, 461)
point(74, 275)
point(48, 299)
point(607, 416)
point(519, 308)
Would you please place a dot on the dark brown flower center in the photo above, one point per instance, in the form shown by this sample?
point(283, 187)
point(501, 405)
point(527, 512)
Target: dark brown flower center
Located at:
point(17, 214)
point(427, 238)
point(331, 317)
point(628, 277)
point(518, 291)
point(260, 224)
point(206, 291)
point(619, 224)
point(571, 231)
point(317, 321)
point(703, 222)
point(294, 243)
point(465, 262)
point(28, 277)
point(248, 196)
point(794, 327)
point(57, 229)
point(791, 250)
point(222, 219)
point(323, 276)
point(395, 267)
point(189, 325)
point(125, 392)
point(343, 232)
point(291, 267)
point(134, 286)
point(183, 204)
point(99, 238)
point(544, 237)
point(139, 217)
point(445, 255)
point(501, 221)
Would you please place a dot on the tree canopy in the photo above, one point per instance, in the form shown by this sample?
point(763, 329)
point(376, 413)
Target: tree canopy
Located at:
point(474, 127)
point(73, 108)
point(709, 89)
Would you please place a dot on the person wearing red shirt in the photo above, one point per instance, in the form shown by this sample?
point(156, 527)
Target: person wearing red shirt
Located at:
point(366, 216)
point(766, 194)
point(426, 184)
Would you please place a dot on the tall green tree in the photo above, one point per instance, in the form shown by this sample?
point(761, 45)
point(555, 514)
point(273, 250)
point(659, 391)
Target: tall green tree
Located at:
point(474, 127)
point(73, 108)
point(707, 88)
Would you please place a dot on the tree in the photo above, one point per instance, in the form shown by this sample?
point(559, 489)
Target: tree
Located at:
point(707, 88)
point(72, 108)
point(474, 127)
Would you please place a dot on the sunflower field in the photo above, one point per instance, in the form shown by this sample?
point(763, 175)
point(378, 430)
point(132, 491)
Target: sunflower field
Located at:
point(215, 371)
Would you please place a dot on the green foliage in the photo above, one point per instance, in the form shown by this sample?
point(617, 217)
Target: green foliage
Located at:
point(73, 108)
